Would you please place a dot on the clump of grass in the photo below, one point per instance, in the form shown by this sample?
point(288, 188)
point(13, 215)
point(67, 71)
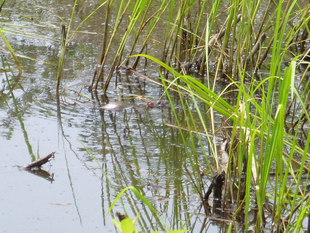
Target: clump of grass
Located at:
point(138, 12)
point(231, 42)
point(259, 144)
point(238, 39)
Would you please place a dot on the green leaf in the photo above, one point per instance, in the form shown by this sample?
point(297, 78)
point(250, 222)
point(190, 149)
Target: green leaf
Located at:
point(128, 226)
point(10, 48)
point(125, 226)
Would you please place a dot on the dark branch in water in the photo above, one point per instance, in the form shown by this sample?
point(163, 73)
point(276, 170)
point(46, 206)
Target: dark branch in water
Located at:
point(216, 185)
point(38, 163)
point(218, 180)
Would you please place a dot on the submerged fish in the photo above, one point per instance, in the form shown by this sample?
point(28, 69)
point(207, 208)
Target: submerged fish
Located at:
point(119, 106)
point(114, 107)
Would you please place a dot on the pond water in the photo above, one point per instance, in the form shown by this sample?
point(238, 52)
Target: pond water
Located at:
point(98, 152)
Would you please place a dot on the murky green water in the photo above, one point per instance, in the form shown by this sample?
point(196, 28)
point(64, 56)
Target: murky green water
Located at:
point(132, 146)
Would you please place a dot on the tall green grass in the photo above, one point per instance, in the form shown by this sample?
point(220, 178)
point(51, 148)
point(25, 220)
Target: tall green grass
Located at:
point(257, 127)
point(259, 118)
point(246, 44)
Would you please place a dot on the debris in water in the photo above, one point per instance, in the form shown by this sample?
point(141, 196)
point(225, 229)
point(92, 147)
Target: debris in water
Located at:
point(38, 163)
point(150, 104)
point(126, 132)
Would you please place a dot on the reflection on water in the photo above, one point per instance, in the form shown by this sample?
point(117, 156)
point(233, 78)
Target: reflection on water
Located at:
point(102, 144)
point(42, 173)
point(99, 151)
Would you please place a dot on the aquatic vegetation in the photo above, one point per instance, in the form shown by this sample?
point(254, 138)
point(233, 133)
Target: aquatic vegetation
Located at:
point(127, 225)
point(260, 144)
point(229, 43)
point(258, 139)
point(236, 76)
point(10, 48)
point(262, 150)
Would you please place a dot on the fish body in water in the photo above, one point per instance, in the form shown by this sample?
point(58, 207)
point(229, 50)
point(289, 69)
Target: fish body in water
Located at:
point(115, 107)
point(119, 106)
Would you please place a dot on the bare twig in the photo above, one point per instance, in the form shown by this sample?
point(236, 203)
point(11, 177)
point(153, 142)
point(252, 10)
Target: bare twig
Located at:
point(38, 163)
